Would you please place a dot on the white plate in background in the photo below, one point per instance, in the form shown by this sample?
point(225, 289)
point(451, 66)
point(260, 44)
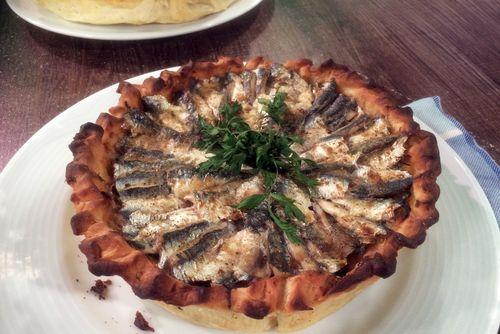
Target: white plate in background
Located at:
point(449, 284)
point(37, 15)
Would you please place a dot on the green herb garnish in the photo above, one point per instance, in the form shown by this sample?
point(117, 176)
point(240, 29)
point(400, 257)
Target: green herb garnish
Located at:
point(233, 144)
point(275, 108)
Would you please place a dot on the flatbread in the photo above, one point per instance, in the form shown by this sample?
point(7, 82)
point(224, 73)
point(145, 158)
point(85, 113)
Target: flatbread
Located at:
point(134, 11)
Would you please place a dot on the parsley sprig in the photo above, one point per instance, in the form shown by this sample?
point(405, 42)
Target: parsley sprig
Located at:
point(272, 201)
point(275, 108)
point(233, 144)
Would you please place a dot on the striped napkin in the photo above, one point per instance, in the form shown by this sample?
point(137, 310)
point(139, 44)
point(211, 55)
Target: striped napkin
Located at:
point(484, 168)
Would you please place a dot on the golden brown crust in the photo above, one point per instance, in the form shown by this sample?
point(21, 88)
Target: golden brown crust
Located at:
point(94, 149)
point(282, 321)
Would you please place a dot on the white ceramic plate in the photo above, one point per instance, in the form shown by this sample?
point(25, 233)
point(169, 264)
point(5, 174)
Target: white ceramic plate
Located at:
point(450, 284)
point(30, 11)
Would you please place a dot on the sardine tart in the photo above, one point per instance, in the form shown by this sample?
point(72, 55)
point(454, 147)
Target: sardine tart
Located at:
point(177, 237)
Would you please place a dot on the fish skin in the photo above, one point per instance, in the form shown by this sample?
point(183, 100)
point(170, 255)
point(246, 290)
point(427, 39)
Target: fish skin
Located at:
point(169, 175)
point(235, 89)
point(324, 100)
point(141, 219)
point(180, 172)
point(247, 255)
point(279, 257)
point(130, 231)
point(240, 257)
point(364, 229)
point(177, 240)
point(231, 282)
point(332, 150)
point(155, 103)
point(204, 110)
point(279, 73)
point(249, 85)
point(186, 101)
point(262, 76)
point(359, 123)
point(237, 186)
point(373, 209)
point(343, 244)
point(373, 144)
point(140, 154)
point(335, 114)
point(145, 192)
point(145, 235)
point(179, 218)
point(230, 190)
point(330, 186)
point(320, 238)
point(318, 246)
point(257, 219)
point(320, 124)
point(165, 178)
point(213, 96)
point(381, 190)
point(369, 182)
point(152, 205)
point(123, 168)
point(299, 96)
point(374, 136)
point(138, 180)
point(251, 186)
point(150, 224)
point(314, 130)
point(140, 123)
point(301, 199)
point(300, 255)
point(207, 241)
point(387, 157)
point(176, 120)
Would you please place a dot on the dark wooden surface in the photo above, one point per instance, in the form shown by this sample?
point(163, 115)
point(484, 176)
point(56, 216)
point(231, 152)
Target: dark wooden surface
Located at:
point(449, 48)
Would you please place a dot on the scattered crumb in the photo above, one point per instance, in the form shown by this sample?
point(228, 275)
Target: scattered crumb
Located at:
point(141, 323)
point(77, 280)
point(100, 287)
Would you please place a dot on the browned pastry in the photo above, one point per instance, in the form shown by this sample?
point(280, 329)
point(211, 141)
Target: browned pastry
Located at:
point(142, 323)
point(176, 237)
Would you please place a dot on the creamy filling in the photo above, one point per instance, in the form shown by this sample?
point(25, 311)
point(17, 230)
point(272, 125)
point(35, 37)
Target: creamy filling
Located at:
point(191, 221)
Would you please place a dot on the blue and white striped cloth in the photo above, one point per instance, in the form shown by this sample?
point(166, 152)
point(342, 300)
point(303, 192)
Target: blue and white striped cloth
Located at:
point(484, 168)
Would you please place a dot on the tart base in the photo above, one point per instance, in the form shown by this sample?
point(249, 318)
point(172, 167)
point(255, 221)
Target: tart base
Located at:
point(281, 321)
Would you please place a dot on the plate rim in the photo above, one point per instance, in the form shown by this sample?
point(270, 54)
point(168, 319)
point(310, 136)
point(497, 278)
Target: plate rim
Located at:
point(489, 214)
point(125, 36)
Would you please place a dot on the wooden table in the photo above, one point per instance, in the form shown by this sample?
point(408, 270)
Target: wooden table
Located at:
point(449, 48)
